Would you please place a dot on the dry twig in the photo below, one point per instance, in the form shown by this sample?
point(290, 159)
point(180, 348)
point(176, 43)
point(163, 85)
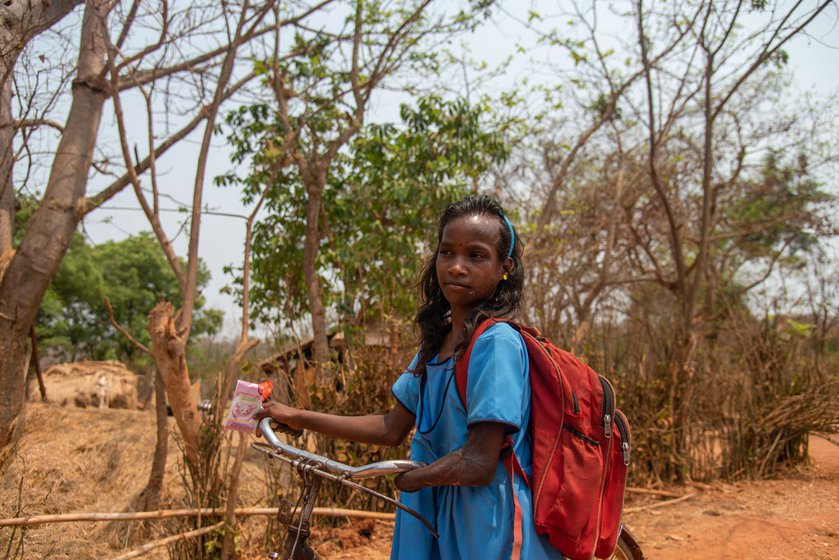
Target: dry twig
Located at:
point(659, 504)
point(654, 492)
point(168, 540)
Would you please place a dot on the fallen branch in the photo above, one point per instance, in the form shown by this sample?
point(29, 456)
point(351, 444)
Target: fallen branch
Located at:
point(826, 438)
point(659, 504)
point(167, 514)
point(654, 492)
point(168, 540)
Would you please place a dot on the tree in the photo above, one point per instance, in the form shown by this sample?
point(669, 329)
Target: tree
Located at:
point(400, 180)
point(577, 163)
point(30, 270)
point(22, 22)
point(380, 198)
point(724, 63)
point(322, 101)
point(130, 277)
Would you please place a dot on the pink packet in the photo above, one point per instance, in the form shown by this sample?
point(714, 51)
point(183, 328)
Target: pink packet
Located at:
point(246, 403)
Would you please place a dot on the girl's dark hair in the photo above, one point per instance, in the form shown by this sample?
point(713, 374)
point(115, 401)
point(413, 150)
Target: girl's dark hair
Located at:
point(434, 315)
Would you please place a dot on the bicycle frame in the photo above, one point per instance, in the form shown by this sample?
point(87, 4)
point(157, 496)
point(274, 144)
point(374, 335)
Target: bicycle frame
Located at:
point(311, 469)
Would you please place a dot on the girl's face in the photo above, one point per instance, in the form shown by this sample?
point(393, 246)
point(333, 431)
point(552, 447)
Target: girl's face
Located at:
point(468, 265)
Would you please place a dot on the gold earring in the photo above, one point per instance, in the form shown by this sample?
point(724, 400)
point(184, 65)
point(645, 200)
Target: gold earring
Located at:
point(504, 277)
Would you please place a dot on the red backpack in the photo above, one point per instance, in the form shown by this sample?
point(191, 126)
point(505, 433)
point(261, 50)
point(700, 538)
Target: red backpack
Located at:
point(581, 445)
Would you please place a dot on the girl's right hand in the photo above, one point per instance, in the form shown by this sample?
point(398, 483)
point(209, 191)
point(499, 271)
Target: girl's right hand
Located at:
point(407, 482)
point(278, 412)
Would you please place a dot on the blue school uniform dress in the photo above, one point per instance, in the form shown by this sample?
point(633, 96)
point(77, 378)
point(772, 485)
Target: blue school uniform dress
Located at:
point(473, 522)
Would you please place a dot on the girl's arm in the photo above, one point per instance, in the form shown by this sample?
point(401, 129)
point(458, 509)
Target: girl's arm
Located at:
point(473, 464)
point(387, 429)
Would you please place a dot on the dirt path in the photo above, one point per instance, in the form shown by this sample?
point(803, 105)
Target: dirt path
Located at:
point(795, 518)
point(789, 519)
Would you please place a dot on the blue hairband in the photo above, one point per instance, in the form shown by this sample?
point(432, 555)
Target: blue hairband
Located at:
point(512, 236)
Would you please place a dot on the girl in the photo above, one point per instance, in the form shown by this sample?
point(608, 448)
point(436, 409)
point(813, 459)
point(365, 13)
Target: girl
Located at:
point(475, 273)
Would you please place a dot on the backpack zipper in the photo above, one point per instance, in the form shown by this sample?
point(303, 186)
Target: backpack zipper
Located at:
point(623, 428)
point(607, 459)
point(581, 435)
point(622, 425)
point(608, 406)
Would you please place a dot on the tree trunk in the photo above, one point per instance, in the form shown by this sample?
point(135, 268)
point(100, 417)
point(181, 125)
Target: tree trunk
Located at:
point(21, 22)
point(168, 346)
point(310, 252)
point(151, 494)
point(36, 363)
point(228, 545)
point(580, 334)
point(49, 232)
point(680, 400)
point(7, 192)
point(12, 358)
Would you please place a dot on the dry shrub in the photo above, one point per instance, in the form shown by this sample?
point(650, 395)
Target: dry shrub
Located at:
point(90, 460)
point(206, 485)
point(785, 393)
point(749, 395)
point(746, 399)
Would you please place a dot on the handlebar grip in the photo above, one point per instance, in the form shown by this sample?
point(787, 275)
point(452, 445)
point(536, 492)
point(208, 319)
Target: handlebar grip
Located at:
point(285, 428)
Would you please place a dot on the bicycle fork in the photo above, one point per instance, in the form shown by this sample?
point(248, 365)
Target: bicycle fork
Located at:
point(294, 545)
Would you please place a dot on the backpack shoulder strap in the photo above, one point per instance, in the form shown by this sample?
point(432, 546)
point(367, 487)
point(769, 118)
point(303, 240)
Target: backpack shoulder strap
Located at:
point(508, 456)
point(461, 368)
point(462, 364)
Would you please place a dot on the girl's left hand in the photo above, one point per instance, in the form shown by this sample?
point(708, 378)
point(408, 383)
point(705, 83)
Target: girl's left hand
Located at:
point(279, 412)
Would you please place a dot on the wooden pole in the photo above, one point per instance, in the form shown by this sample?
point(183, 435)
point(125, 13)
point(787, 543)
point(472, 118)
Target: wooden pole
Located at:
point(167, 514)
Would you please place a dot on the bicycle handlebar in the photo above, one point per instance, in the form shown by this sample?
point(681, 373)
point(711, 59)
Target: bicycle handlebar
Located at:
point(379, 468)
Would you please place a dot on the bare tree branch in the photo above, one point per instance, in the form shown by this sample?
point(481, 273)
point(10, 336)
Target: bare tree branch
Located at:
point(109, 192)
point(137, 344)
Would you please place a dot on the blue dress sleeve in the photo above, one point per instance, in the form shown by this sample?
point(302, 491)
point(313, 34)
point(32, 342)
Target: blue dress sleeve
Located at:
point(498, 388)
point(407, 387)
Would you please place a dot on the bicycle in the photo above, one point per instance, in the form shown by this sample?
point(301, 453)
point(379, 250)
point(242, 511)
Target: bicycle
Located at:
point(311, 469)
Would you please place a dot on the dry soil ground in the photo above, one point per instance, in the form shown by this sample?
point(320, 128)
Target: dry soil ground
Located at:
point(74, 460)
